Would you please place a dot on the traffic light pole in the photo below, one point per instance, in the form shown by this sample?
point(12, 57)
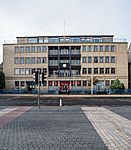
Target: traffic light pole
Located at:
point(38, 90)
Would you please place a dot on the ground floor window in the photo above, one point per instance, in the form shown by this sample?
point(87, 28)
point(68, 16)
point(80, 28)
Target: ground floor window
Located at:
point(79, 83)
point(50, 83)
point(84, 83)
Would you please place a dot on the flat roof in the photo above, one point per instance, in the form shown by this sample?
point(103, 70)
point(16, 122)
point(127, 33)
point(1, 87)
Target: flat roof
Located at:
point(67, 36)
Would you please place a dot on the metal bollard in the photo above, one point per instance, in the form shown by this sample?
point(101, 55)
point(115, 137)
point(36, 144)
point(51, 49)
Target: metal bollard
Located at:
point(60, 102)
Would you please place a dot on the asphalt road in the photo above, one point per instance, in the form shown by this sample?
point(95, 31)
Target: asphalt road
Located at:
point(66, 101)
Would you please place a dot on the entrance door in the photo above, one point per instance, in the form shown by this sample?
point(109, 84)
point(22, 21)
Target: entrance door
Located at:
point(64, 86)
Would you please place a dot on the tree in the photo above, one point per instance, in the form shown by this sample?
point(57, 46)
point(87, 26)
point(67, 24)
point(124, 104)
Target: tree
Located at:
point(117, 87)
point(2, 80)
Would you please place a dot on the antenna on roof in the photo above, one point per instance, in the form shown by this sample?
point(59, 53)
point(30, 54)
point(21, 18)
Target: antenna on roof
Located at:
point(64, 29)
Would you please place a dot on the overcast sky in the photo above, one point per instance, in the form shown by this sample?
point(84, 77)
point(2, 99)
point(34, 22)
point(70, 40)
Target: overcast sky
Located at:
point(47, 17)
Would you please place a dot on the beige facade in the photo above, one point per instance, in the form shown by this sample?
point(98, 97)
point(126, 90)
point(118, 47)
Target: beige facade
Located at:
point(84, 56)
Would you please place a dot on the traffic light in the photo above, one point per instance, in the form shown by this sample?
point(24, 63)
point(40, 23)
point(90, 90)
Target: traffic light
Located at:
point(36, 78)
point(43, 77)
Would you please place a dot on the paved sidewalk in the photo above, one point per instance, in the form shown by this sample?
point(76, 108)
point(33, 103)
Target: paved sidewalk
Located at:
point(51, 128)
point(114, 130)
point(70, 96)
point(66, 128)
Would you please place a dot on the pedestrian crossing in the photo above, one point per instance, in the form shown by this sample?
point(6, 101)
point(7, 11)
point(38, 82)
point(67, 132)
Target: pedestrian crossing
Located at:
point(10, 113)
point(6, 110)
point(114, 130)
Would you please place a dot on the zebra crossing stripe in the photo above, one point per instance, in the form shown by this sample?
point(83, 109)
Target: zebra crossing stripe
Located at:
point(9, 114)
point(114, 130)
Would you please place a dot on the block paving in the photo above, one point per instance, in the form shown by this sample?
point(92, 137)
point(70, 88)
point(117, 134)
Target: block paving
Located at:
point(51, 128)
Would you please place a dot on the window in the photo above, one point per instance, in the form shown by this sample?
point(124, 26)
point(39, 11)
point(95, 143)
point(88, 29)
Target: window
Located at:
point(79, 83)
point(89, 70)
point(112, 48)
point(101, 70)
point(21, 49)
point(107, 70)
point(95, 48)
point(38, 60)
point(46, 40)
point(101, 49)
point(89, 59)
point(83, 48)
point(107, 48)
point(33, 49)
point(95, 59)
point(32, 40)
point(27, 71)
point(54, 40)
point(16, 83)
point(84, 71)
point(38, 49)
point(84, 83)
point(32, 60)
point(96, 40)
point(22, 60)
point(75, 40)
point(27, 49)
point(89, 48)
point(95, 70)
point(22, 71)
point(44, 49)
point(67, 39)
point(107, 83)
point(17, 71)
point(83, 59)
point(101, 59)
point(50, 83)
point(44, 60)
point(55, 83)
point(112, 59)
point(16, 49)
point(73, 83)
point(27, 60)
point(22, 83)
point(107, 59)
point(40, 40)
point(113, 71)
point(16, 60)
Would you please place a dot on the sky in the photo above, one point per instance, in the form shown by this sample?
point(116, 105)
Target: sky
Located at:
point(64, 17)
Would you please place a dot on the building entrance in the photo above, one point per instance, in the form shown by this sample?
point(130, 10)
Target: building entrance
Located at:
point(64, 87)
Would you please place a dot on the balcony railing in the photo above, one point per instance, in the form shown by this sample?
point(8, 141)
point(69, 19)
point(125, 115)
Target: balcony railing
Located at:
point(75, 51)
point(75, 62)
point(53, 52)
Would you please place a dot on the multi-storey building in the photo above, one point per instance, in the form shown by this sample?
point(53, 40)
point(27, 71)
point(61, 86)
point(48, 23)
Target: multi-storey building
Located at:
point(68, 61)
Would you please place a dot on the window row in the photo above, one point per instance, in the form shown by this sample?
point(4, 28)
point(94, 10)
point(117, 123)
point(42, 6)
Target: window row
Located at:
point(30, 60)
point(28, 71)
point(65, 39)
point(31, 49)
point(99, 48)
point(24, 84)
point(99, 59)
point(98, 70)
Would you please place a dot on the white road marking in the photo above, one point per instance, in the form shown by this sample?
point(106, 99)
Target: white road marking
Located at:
point(8, 99)
point(6, 110)
point(114, 130)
